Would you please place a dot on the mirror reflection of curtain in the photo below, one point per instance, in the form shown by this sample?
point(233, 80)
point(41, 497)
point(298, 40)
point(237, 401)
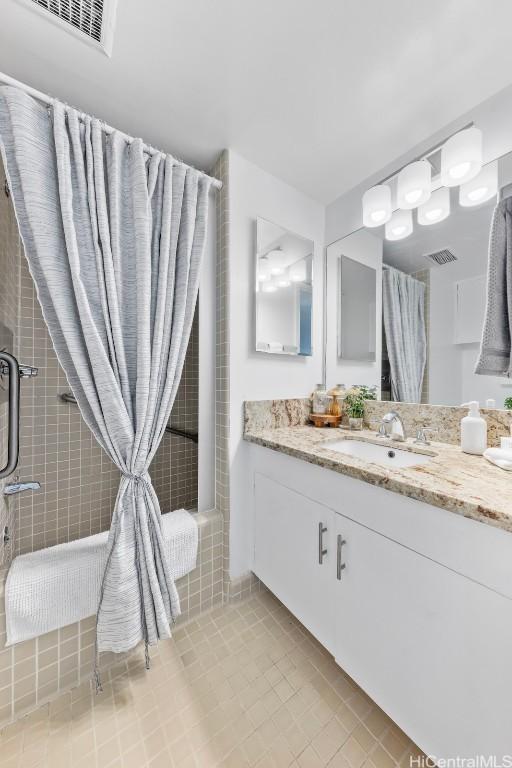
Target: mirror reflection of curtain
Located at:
point(403, 303)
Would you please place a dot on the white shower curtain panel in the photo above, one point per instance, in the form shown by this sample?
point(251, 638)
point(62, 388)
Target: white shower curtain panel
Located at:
point(403, 303)
point(114, 239)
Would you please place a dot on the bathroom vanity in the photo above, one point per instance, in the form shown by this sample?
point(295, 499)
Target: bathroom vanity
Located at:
point(410, 590)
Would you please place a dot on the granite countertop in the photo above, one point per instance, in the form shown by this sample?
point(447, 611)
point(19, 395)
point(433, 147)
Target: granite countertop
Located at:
point(461, 483)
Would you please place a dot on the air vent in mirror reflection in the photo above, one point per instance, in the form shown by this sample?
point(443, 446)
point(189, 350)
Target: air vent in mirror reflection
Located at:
point(441, 257)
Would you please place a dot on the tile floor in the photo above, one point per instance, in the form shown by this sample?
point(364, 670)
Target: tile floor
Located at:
point(243, 685)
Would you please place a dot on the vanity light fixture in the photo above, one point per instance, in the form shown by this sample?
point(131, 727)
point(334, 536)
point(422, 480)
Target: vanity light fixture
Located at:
point(268, 287)
point(414, 184)
point(436, 209)
point(461, 157)
point(480, 189)
point(377, 206)
point(399, 226)
point(277, 261)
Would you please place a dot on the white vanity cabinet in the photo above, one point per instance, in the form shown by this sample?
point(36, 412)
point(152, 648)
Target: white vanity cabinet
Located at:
point(294, 551)
point(413, 602)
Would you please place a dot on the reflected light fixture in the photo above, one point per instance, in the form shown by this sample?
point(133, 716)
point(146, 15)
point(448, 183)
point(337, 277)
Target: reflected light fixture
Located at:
point(480, 189)
point(399, 226)
point(277, 258)
point(263, 268)
point(414, 184)
point(377, 206)
point(269, 287)
point(436, 209)
point(283, 281)
point(297, 272)
point(461, 157)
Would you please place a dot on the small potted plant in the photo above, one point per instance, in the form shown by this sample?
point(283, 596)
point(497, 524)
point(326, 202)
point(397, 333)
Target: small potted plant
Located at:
point(354, 406)
point(508, 403)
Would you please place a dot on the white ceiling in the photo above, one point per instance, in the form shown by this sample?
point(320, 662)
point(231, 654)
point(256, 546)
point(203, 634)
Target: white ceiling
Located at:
point(321, 94)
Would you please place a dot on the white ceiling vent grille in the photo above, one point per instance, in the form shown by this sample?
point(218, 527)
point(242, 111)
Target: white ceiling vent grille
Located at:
point(91, 20)
point(441, 257)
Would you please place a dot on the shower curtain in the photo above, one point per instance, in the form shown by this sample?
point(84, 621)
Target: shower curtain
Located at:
point(114, 238)
point(403, 304)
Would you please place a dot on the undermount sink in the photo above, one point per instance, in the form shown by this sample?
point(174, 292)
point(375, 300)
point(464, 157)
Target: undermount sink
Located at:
point(380, 454)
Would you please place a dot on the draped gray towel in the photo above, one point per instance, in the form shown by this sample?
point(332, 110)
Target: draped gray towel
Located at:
point(403, 305)
point(114, 239)
point(495, 358)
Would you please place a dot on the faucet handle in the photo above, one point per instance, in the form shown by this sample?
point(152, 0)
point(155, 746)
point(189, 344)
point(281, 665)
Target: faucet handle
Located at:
point(421, 435)
point(381, 427)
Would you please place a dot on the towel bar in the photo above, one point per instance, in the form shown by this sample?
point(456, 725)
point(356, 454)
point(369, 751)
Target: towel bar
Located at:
point(68, 397)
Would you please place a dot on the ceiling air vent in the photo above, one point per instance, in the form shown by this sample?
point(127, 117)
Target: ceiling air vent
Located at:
point(441, 257)
point(90, 20)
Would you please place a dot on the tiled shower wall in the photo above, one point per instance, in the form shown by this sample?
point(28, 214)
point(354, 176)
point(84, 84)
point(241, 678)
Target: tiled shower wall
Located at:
point(177, 487)
point(79, 485)
point(10, 249)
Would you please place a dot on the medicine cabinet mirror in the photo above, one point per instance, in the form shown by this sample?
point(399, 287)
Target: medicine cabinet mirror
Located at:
point(284, 291)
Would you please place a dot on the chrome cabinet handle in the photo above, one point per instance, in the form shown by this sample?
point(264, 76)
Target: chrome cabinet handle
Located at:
point(340, 566)
point(11, 368)
point(321, 551)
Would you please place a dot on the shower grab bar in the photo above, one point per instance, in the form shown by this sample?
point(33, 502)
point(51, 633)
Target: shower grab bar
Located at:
point(68, 397)
point(9, 366)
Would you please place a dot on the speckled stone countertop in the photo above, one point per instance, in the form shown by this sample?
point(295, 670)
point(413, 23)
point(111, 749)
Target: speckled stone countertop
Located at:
point(464, 484)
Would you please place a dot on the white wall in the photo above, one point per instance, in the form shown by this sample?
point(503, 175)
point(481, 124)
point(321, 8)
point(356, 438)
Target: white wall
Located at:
point(256, 375)
point(206, 421)
point(364, 247)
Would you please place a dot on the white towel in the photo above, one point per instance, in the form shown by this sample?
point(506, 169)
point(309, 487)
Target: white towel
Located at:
point(60, 585)
point(499, 456)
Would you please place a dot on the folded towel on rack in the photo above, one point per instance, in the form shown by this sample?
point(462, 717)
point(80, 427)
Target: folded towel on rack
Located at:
point(499, 456)
point(60, 585)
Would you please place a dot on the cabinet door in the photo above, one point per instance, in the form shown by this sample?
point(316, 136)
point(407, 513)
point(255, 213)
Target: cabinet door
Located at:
point(293, 556)
point(431, 647)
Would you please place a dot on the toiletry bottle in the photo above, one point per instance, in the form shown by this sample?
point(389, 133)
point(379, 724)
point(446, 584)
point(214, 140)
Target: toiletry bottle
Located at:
point(473, 430)
point(490, 403)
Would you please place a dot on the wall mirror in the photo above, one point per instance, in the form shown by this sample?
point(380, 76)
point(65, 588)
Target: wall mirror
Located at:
point(357, 301)
point(430, 269)
point(284, 291)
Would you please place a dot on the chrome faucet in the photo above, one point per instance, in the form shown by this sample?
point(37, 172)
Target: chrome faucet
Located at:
point(17, 487)
point(389, 420)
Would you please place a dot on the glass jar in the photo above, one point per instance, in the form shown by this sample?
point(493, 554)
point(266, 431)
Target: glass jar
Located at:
point(321, 400)
point(338, 394)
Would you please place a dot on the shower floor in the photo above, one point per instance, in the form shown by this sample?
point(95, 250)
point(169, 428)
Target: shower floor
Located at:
point(243, 685)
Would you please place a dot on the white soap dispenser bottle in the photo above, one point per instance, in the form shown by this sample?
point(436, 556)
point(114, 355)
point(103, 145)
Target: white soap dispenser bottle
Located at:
point(473, 430)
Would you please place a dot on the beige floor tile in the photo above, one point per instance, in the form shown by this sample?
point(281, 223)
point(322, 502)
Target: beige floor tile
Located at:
point(240, 687)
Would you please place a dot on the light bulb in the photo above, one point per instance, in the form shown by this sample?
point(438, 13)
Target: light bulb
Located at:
point(461, 157)
point(269, 287)
point(477, 194)
point(283, 282)
point(378, 216)
point(460, 170)
point(433, 214)
point(480, 189)
point(413, 196)
point(399, 226)
point(376, 206)
point(414, 183)
point(436, 209)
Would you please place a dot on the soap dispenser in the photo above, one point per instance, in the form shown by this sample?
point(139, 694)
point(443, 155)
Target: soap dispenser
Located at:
point(473, 430)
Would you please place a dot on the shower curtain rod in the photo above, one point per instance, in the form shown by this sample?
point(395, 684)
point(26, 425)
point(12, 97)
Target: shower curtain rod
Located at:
point(45, 99)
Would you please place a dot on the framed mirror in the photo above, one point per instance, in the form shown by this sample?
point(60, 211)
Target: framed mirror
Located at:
point(283, 284)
